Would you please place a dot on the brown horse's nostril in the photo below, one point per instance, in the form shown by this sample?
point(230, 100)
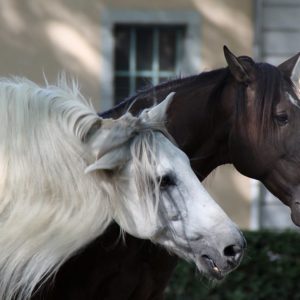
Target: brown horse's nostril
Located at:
point(234, 253)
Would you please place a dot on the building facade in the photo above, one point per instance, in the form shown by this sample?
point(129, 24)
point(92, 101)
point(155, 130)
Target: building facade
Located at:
point(116, 47)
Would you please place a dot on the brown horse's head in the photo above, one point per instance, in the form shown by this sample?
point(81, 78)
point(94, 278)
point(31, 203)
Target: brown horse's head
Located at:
point(265, 135)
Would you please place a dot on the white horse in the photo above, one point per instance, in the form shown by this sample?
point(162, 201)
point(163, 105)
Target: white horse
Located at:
point(65, 174)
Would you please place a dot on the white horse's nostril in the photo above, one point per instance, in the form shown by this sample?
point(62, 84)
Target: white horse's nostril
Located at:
point(234, 253)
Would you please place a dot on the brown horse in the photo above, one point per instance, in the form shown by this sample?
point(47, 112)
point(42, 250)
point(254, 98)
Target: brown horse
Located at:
point(246, 114)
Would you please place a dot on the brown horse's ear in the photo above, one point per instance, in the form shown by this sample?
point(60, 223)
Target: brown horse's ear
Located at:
point(291, 68)
point(240, 67)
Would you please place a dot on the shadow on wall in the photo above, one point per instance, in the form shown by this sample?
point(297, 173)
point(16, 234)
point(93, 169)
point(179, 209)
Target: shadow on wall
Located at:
point(49, 37)
point(225, 23)
point(233, 193)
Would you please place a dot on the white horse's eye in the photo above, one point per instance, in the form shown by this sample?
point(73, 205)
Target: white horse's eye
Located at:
point(167, 181)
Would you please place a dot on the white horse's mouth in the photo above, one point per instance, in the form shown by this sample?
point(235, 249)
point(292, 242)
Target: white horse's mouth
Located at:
point(212, 268)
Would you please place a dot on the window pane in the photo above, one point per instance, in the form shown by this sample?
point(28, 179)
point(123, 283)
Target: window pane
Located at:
point(143, 82)
point(144, 48)
point(121, 88)
point(122, 40)
point(167, 49)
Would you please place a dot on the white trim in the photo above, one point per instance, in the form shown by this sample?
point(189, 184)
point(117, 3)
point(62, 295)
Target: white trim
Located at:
point(255, 209)
point(191, 62)
point(258, 7)
point(256, 187)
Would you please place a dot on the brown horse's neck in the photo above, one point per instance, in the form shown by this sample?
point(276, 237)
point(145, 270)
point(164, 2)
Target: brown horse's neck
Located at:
point(200, 121)
point(198, 118)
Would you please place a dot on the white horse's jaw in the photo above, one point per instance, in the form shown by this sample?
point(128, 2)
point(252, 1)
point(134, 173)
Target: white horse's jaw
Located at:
point(197, 228)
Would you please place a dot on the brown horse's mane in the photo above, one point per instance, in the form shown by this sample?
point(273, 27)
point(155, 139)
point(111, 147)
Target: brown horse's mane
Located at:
point(182, 85)
point(269, 82)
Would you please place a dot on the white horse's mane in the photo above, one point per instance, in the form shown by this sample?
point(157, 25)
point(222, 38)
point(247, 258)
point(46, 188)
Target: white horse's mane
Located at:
point(49, 208)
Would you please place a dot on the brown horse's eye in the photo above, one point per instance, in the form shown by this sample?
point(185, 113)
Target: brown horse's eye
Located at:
point(281, 119)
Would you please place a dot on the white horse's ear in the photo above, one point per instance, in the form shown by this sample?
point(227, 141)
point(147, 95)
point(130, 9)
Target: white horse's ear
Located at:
point(158, 113)
point(111, 160)
point(111, 135)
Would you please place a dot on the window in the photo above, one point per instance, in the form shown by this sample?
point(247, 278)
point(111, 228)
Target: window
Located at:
point(112, 19)
point(145, 55)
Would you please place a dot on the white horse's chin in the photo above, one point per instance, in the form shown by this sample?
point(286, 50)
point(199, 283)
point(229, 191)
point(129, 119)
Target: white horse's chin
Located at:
point(208, 266)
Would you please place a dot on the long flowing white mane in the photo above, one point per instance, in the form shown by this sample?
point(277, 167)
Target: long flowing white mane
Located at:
point(49, 208)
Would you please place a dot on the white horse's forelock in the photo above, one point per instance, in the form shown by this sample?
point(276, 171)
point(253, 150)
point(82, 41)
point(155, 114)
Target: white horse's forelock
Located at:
point(48, 211)
point(143, 161)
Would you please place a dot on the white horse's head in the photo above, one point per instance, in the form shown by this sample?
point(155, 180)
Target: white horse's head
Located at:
point(158, 197)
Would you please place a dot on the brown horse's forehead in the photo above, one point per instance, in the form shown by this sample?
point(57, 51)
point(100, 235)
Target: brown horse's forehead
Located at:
point(294, 95)
point(293, 99)
point(287, 86)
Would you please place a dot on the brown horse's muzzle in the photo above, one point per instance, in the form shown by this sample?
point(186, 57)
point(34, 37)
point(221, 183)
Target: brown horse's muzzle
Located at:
point(295, 211)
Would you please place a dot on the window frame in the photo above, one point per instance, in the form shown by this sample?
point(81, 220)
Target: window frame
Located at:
point(191, 62)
